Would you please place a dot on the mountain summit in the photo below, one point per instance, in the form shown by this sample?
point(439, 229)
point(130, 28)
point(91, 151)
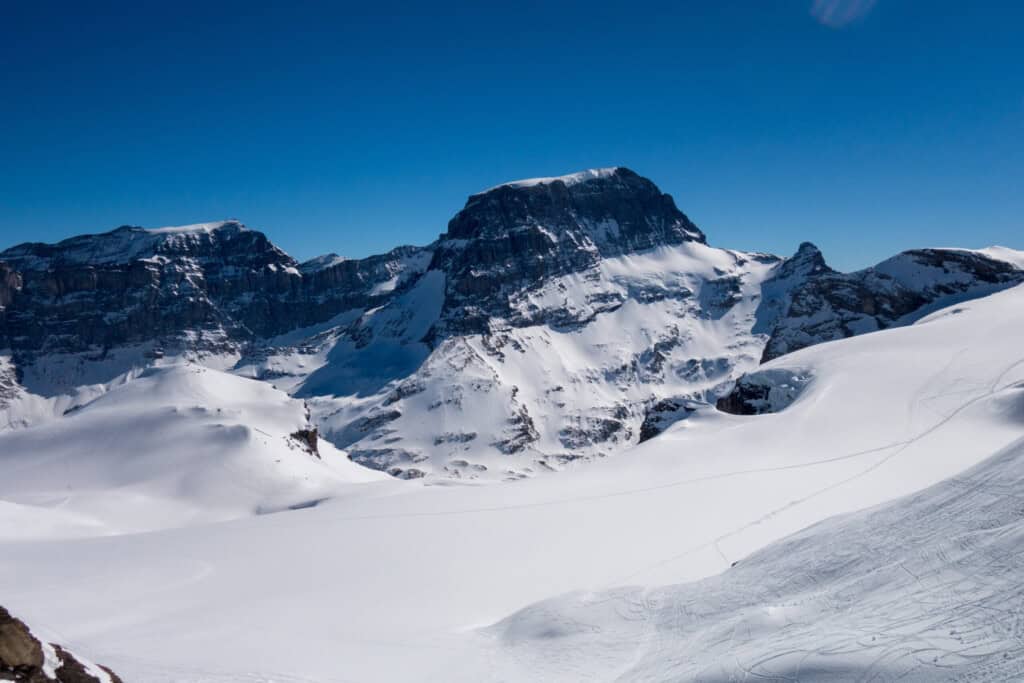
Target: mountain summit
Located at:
point(611, 209)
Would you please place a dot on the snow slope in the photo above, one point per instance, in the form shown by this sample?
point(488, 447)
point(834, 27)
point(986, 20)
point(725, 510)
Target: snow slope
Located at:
point(584, 364)
point(923, 589)
point(568, 179)
point(404, 583)
point(667, 322)
point(1013, 256)
point(180, 444)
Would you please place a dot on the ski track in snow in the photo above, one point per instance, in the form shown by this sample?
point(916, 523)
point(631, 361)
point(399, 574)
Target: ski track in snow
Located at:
point(968, 624)
point(899, 446)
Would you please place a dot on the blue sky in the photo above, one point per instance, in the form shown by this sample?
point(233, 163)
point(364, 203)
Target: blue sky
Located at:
point(866, 127)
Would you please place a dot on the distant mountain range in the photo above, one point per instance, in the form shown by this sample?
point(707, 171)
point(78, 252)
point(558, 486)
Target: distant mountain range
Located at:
point(556, 320)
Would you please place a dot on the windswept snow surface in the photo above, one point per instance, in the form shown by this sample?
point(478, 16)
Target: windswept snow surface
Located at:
point(1014, 256)
point(177, 445)
point(923, 589)
point(568, 179)
point(413, 582)
point(321, 262)
point(194, 228)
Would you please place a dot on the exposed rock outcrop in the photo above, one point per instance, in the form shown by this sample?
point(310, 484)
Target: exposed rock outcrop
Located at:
point(210, 287)
point(308, 439)
point(807, 302)
point(663, 414)
point(10, 284)
point(764, 391)
point(24, 657)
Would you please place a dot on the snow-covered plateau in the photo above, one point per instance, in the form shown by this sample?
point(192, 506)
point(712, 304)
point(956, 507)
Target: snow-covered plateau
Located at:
point(568, 441)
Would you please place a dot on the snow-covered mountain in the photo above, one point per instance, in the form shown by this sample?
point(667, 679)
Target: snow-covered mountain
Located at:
point(556, 320)
point(582, 574)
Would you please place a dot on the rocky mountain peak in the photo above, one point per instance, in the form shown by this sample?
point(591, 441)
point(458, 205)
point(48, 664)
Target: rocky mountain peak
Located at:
point(129, 243)
point(513, 237)
point(808, 303)
point(808, 260)
point(613, 209)
point(808, 249)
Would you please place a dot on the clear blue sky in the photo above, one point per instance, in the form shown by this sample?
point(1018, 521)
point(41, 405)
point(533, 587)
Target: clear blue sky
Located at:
point(866, 127)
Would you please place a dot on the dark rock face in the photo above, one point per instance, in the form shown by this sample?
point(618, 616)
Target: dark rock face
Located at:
point(520, 433)
point(394, 461)
point(209, 288)
point(308, 439)
point(807, 302)
point(71, 670)
point(21, 655)
point(590, 431)
point(10, 284)
point(765, 391)
point(131, 285)
point(745, 399)
point(332, 285)
point(616, 210)
point(663, 415)
point(514, 236)
point(221, 286)
point(22, 658)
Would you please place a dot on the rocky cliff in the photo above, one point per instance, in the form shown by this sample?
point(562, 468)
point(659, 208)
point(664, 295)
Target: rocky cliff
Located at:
point(220, 285)
point(517, 235)
point(212, 286)
point(492, 271)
